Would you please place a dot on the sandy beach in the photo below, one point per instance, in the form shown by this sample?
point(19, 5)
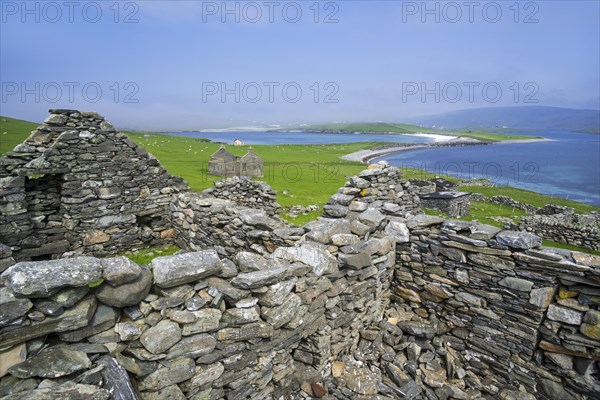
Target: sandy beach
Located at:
point(364, 156)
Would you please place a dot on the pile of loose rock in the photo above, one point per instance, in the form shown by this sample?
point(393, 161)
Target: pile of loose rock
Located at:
point(380, 186)
point(246, 192)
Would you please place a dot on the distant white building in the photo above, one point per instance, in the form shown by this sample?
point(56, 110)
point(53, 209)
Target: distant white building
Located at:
point(238, 142)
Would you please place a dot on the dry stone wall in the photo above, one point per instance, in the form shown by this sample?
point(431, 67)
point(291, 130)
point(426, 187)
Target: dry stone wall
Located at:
point(514, 313)
point(581, 230)
point(78, 186)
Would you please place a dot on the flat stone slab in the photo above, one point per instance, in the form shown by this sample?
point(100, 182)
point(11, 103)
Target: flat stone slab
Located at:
point(178, 269)
point(44, 278)
point(67, 391)
point(519, 240)
point(74, 318)
point(256, 279)
point(52, 362)
point(12, 307)
point(312, 254)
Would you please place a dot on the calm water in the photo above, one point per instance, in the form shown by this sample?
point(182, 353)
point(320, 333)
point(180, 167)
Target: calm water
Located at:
point(298, 137)
point(568, 167)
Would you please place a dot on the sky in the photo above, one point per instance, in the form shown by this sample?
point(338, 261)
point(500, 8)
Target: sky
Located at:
point(186, 65)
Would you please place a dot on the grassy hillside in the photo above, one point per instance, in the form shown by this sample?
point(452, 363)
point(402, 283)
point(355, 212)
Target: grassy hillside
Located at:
point(383, 127)
point(310, 173)
point(13, 131)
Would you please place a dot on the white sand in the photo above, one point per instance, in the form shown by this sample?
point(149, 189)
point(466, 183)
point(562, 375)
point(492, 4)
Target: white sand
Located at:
point(435, 137)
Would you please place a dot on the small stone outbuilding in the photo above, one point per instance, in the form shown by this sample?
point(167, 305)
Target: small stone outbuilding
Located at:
point(453, 204)
point(223, 163)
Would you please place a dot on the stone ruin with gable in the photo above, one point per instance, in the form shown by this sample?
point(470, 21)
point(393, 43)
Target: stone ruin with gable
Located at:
point(373, 300)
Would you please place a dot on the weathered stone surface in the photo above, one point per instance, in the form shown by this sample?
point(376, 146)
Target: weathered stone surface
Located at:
point(554, 390)
point(231, 293)
point(127, 294)
point(206, 374)
point(12, 356)
point(207, 321)
point(564, 314)
point(491, 261)
point(74, 318)
point(277, 293)
point(256, 279)
point(44, 278)
point(312, 254)
point(52, 362)
point(416, 328)
point(323, 229)
point(281, 315)
point(248, 261)
point(240, 316)
point(175, 270)
point(398, 231)
point(519, 284)
point(372, 217)
point(116, 380)
point(68, 297)
point(362, 381)
point(355, 261)
point(66, 391)
point(423, 221)
point(342, 239)
point(104, 318)
point(119, 270)
point(245, 332)
point(591, 331)
point(518, 239)
point(11, 307)
point(161, 337)
point(170, 392)
point(178, 370)
point(128, 330)
point(95, 237)
point(193, 346)
point(542, 297)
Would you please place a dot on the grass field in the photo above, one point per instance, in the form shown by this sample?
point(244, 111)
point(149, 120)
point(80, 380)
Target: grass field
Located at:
point(13, 131)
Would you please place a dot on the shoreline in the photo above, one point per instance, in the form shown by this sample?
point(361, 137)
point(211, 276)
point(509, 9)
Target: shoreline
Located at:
point(365, 156)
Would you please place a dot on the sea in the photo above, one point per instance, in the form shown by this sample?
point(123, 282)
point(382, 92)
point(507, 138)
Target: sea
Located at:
point(567, 165)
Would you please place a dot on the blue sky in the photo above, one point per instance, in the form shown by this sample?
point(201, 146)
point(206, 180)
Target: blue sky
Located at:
point(190, 64)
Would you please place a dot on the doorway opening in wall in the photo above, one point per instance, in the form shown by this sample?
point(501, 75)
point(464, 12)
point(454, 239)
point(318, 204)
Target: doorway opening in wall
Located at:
point(44, 209)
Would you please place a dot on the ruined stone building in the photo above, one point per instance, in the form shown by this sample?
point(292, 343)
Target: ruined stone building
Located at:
point(453, 204)
point(77, 185)
point(373, 300)
point(223, 163)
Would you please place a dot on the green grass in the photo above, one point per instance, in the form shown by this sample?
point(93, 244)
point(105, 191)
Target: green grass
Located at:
point(549, 243)
point(13, 131)
point(485, 212)
point(310, 173)
point(383, 127)
point(144, 256)
point(529, 197)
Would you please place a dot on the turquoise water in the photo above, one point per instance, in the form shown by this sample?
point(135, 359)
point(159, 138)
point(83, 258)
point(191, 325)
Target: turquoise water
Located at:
point(567, 167)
